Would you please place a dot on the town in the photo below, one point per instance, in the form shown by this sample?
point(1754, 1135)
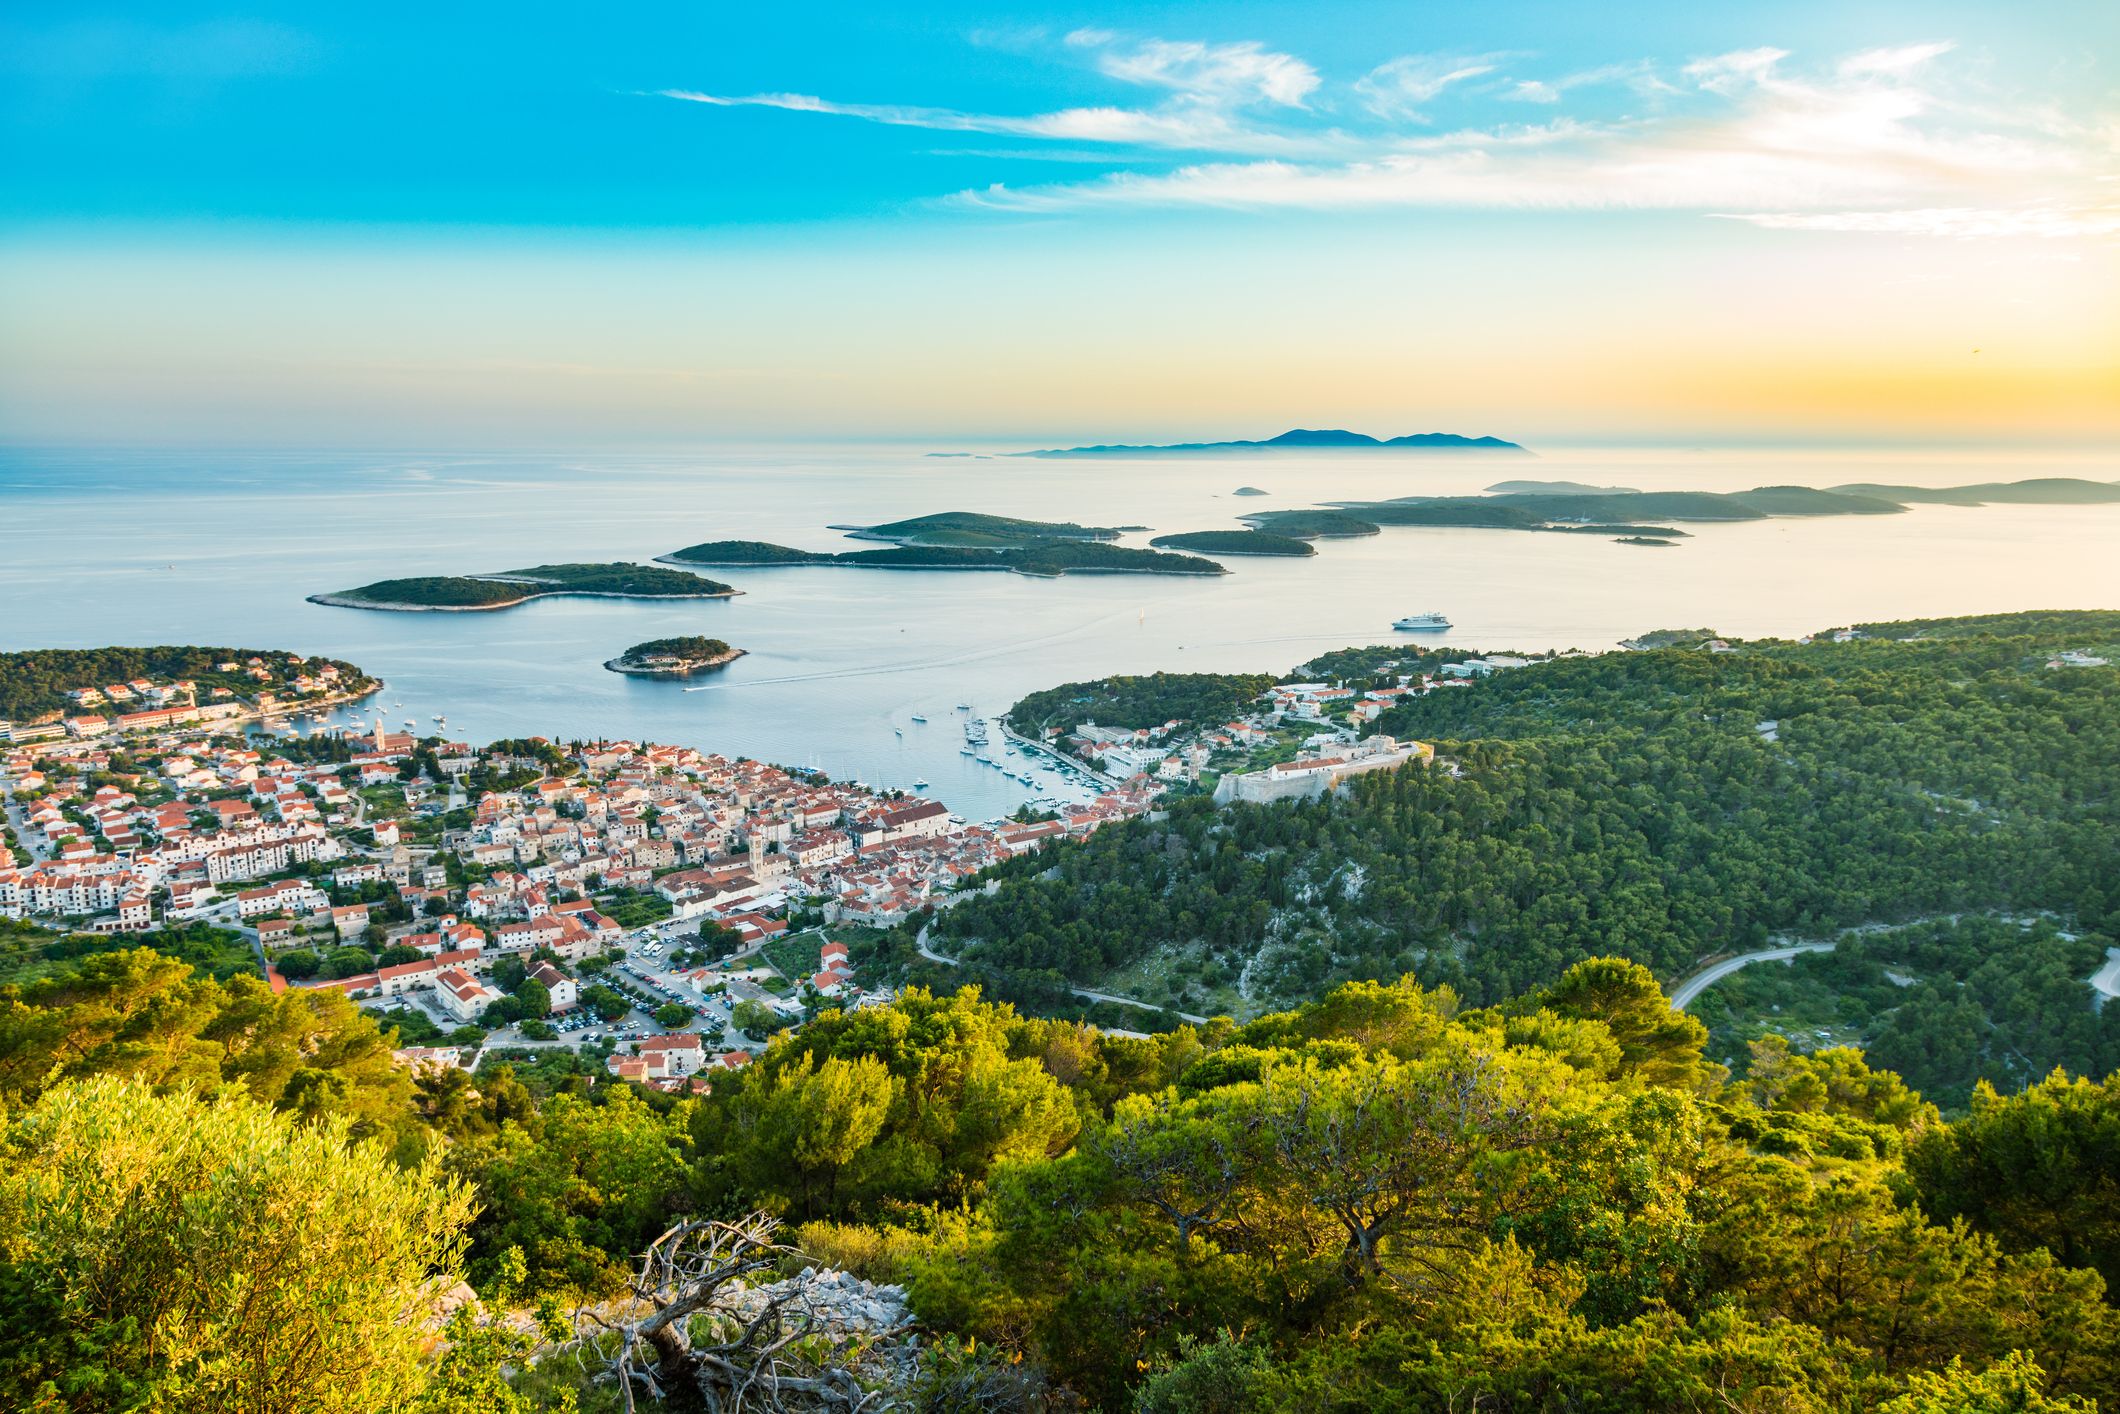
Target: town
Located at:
point(662, 906)
point(659, 907)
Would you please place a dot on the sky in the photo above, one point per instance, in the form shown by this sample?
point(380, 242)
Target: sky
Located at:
point(661, 224)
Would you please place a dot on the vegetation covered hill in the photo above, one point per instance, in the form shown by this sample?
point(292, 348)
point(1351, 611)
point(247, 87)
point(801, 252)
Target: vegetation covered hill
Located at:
point(1312, 525)
point(34, 682)
point(744, 552)
point(1234, 542)
point(975, 528)
point(1665, 806)
point(1135, 702)
point(212, 1198)
point(510, 587)
point(685, 654)
point(1033, 555)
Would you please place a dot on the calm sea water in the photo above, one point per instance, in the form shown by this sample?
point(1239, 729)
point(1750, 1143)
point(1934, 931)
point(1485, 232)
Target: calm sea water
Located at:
point(133, 547)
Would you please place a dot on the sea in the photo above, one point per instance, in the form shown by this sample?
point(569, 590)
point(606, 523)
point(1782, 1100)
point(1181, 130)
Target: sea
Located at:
point(130, 546)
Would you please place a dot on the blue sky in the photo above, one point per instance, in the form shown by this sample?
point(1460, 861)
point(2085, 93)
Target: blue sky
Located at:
point(687, 221)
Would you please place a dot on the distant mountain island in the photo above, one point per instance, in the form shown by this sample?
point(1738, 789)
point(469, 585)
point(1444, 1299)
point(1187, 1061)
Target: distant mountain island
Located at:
point(1302, 439)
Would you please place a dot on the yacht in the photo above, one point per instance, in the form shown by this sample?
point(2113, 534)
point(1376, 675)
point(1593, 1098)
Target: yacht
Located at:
point(920, 719)
point(919, 784)
point(1415, 623)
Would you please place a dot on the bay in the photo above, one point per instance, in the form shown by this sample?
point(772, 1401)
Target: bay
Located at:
point(134, 546)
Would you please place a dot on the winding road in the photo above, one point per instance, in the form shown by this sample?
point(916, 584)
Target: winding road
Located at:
point(1683, 994)
point(920, 944)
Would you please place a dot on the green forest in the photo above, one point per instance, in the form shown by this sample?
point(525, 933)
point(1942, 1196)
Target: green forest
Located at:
point(34, 682)
point(215, 1198)
point(1235, 542)
point(509, 587)
point(1664, 806)
point(1148, 700)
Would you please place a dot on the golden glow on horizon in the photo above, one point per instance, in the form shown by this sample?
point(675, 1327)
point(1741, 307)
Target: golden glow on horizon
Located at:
point(1389, 328)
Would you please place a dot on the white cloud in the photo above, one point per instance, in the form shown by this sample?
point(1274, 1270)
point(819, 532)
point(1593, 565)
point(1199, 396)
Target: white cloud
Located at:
point(1213, 73)
point(1876, 141)
point(1190, 127)
point(1399, 88)
point(1640, 76)
point(1896, 60)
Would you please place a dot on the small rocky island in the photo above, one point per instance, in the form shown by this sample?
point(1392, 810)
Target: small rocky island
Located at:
point(505, 589)
point(674, 657)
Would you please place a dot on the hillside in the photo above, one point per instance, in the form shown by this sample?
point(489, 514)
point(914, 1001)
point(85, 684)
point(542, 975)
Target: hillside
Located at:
point(34, 683)
point(1628, 803)
point(1234, 542)
point(507, 588)
point(743, 552)
point(1136, 702)
point(1380, 1200)
point(977, 529)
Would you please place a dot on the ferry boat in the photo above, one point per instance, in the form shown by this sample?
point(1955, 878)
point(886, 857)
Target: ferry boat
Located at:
point(1415, 623)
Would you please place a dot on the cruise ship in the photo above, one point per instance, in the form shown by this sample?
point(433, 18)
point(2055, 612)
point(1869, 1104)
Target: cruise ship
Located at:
point(1414, 623)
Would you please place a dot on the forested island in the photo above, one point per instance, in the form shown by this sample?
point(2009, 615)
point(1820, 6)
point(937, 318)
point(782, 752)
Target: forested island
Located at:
point(1667, 805)
point(964, 540)
point(1630, 517)
point(35, 683)
point(973, 528)
point(674, 657)
point(507, 588)
point(1235, 542)
point(1300, 439)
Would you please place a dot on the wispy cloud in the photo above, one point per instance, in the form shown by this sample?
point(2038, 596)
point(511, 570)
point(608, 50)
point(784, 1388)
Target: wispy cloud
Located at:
point(1189, 127)
point(1400, 88)
point(1209, 73)
point(1872, 141)
point(1209, 91)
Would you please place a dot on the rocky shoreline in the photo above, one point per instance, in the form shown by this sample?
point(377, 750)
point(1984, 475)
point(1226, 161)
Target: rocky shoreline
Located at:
point(682, 669)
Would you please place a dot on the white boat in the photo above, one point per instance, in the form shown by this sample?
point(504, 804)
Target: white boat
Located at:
point(920, 719)
point(919, 785)
point(1415, 623)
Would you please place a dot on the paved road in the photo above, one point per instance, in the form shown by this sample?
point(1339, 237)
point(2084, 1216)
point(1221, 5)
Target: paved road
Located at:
point(1683, 994)
point(2107, 979)
point(920, 943)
